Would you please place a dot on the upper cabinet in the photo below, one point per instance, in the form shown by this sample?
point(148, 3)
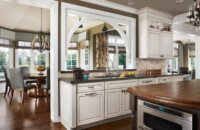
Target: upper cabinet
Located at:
point(155, 34)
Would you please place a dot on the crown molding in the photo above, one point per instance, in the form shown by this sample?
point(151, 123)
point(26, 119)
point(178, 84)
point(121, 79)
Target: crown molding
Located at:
point(156, 12)
point(113, 5)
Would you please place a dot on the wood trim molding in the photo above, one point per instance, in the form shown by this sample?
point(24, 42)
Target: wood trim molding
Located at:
point(113, 5)
point(101, 8)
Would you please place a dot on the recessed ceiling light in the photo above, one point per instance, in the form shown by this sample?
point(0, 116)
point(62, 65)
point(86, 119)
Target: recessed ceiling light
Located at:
point(130, 3)
point(179, 1)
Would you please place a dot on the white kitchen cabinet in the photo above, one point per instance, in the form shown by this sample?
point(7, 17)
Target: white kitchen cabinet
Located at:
point(113, 103)
point(167, 79)
point(154, 43)
point(146, 81)
point(90, 107)
point(125, 102)
point(166, 41)
point(117, 98)
point(177, 78)
point(159, 45)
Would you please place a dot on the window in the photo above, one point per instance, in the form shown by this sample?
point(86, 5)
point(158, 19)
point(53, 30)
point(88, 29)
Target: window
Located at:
point(84, 59)
point(6, 55)
point(26, 56)
point(72, 59)
point(192, 61)
point(117, 52)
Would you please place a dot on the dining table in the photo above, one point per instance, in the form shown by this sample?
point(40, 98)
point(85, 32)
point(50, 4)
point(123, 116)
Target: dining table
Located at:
point(38, 79)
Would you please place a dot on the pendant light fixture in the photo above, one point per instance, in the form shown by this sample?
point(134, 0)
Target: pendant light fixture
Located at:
point(81, 26)
point(194, 14)
point(40, 40)
point(104, 29)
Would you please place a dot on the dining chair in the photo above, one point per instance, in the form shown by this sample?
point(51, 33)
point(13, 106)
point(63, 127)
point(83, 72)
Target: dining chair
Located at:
point(46, 86)
point(7, 78)
point(25, 70)
point(17, 83)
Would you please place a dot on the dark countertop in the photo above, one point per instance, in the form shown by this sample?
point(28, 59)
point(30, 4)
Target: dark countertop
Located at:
point(96, 79)
point(184, 94)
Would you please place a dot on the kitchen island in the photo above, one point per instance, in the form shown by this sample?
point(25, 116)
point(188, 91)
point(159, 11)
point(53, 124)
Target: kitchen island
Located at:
point(175, 98)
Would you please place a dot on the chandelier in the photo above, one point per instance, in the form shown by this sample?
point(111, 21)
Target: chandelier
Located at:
point(194, 14)
point(40, 41)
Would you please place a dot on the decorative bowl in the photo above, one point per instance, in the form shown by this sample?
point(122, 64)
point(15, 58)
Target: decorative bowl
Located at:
point(41, 69)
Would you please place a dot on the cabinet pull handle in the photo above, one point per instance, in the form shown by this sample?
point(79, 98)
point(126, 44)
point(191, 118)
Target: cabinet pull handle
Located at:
point(91, 94)
point(90, 86)
point(148, 81)
point(161, 55)
point(122, 91)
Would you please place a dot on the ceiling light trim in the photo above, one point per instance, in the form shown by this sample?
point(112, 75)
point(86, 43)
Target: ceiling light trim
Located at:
point(113, 5)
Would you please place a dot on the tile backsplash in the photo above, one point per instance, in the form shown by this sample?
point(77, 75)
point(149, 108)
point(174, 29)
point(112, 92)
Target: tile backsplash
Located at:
point(146, 64)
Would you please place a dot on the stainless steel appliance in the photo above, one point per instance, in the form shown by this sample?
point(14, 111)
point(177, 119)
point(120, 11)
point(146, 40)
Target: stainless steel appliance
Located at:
point(156, 117)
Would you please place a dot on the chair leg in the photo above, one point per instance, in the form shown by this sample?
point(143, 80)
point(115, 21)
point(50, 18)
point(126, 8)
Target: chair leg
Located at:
point(6, 90)
point(9, 90)
point(12, 92)
point(36, 92)
point(47, 94)
point(22, 100)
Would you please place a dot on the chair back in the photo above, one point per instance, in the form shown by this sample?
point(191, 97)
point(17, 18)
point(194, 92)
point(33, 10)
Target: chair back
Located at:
point(25, 71)
point(16, 78)
point(48, 78)
point(6, 74)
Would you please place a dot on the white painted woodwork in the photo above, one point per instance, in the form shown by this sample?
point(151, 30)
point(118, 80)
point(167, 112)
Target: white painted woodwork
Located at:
point(113, 103)
point(85, 103)
point(90, 107)
point(166, 44)
point(91, 15)
point(117, 98)
point(126, 102)
point(153, 43)
point(177, 78)
point(147, 81)
point(85, 87)
point(120, 84)
point(165, 79)
point(68, 104)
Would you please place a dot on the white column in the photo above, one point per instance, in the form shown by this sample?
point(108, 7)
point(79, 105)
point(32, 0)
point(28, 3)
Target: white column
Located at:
point(197, 46)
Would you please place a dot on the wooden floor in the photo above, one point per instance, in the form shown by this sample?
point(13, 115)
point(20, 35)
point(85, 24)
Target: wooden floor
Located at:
point(35, 115)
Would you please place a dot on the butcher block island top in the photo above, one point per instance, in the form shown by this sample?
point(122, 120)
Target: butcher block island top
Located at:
point(185, 94)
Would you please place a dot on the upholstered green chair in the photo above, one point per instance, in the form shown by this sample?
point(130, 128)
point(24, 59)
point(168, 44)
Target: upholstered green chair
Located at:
point(18, 83)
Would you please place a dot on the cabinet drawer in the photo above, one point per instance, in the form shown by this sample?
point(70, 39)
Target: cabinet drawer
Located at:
point(120, 84)
point(90, 87)
point(165, 79)
point(177, 78)
point(147, 81)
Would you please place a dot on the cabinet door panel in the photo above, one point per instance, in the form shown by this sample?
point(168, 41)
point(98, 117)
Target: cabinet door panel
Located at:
point(90, 107)
point(154, 44)
point(126, 102)
point(166, 42)
point(113, 101)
